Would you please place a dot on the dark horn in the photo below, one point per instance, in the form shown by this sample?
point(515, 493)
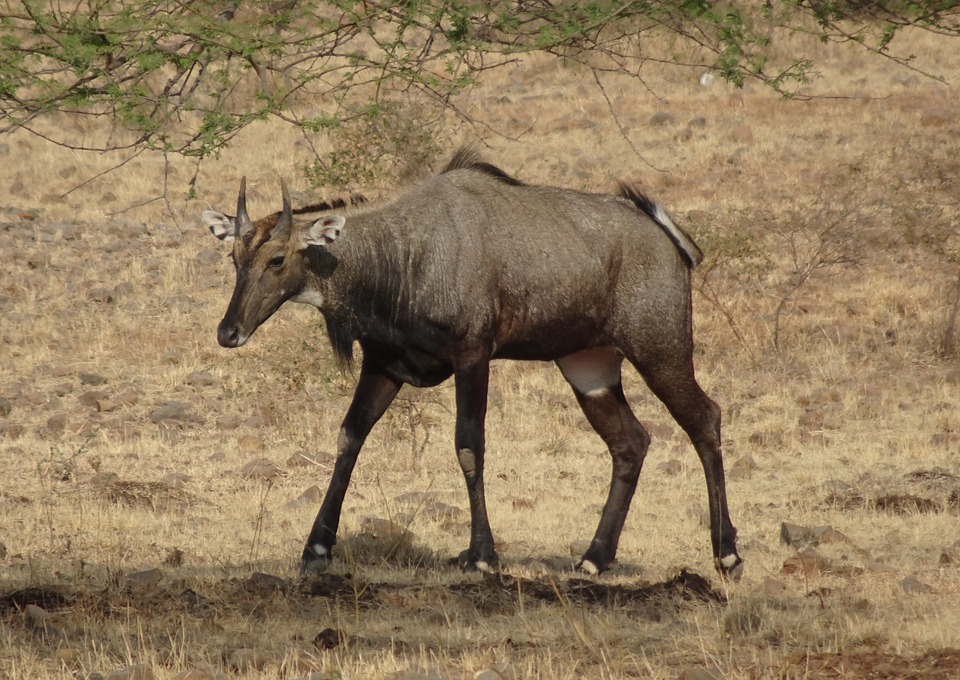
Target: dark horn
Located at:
point(286, 216)
point(243, 218)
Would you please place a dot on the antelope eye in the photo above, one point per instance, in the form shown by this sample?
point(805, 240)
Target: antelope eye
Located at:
point(276, 261)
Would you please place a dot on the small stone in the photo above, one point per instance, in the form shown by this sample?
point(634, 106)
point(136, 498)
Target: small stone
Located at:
point(143, 579)
point(264, 583)
point(249, 443)
point(175, 480)
point(487, 674)
point(10, 430)
point(261, 468)
point(57, 423)
point(661, 118)
point(68, 656)
point(671, 468)
point(807, 562)
point(245, 659)
point(105, 405)
point(951, 555)
point(228, 421)
point(382, 528)
point(201, 671)
point(93, 379)
point(915, 586)
point(329, 638)
point(137, 672)
point(174, 558)
point(200, 379)
point(310, 497)
point(172, 410)
point(6, 406)
point(742, 468)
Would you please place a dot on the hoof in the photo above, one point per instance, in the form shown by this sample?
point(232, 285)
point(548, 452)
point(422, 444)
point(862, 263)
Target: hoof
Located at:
point(588, 567)
point(315, 560)
point(730, 566)
point(468, 562)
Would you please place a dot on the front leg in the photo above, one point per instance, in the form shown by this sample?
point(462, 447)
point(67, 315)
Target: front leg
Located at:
point(471, 391)
point(374, 393)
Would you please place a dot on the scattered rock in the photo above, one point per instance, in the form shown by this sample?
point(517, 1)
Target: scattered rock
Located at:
point(175, 411)
point(200, 379)
point(68, 656)
point(915, 586)
point(261, 468)
point(671, 468)
point(310, 497)
point(383, 528)
point(143, 579)
point(937, 118)
point(796, 535)
point(40, 621)
point(263, 584)
point(742, 468)
point(137, 672)
point(767, 439)
point(951, 555)
point(245, 659)
point(249, 443)
point(201, 671)
point(228, 421)
point(417, 673)
point(329, 638)
point(661, 118)
point(807, 562)
point(175, 480)
point(443, 513)
point(906, 504)
point(174, 558)
point(91, 398)
point(6, 406)
point(10, 430)
point(92, 379)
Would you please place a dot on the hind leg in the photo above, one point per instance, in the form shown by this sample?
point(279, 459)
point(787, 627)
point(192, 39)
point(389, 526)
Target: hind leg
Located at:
point(699, 416)
point(595, 377)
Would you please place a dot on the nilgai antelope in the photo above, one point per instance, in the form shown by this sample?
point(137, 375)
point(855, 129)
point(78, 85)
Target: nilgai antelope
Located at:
point(473, 265)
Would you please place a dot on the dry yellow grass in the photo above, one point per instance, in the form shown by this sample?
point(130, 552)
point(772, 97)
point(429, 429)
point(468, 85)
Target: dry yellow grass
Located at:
point(857, 397)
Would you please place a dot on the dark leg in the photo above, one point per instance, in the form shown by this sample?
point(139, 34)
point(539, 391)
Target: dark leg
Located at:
point(699, 416)
point(471, 389)
point(373, 395)
point(595, 378)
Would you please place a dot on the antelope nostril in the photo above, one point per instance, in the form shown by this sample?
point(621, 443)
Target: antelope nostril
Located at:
point(228, 337)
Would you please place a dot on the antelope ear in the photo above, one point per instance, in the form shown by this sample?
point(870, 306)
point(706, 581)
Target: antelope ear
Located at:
point(222, 226)
point(323, 232)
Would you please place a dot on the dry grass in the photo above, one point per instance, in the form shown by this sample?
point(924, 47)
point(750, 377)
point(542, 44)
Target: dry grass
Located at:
point(856, 397)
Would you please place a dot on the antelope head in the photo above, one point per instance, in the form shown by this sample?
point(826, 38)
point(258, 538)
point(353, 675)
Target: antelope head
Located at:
point(269, 256)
